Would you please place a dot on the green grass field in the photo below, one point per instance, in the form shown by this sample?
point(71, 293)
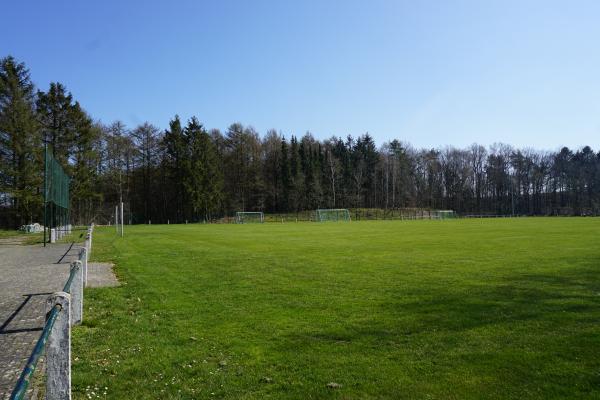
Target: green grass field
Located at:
point(491, 309)
point(21, 237)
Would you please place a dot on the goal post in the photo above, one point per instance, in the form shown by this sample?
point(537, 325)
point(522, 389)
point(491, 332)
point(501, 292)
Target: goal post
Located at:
point(333, 214)
point(245, 217)
point(444, 214)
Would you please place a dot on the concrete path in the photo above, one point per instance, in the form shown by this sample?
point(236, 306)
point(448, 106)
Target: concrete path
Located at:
point(101, 275)
point(28, 274)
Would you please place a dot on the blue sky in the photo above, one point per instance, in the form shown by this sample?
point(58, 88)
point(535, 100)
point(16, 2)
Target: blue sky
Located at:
point(428, 72)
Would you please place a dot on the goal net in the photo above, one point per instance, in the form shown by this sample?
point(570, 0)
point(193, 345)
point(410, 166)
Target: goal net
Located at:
point(444, 214)
point(335, 214)
point(245, 217)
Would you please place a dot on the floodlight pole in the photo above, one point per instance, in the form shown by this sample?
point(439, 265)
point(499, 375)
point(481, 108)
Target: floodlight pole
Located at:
point(512, 195)
point(45, 189)
point(120, 202)
point(122, 223)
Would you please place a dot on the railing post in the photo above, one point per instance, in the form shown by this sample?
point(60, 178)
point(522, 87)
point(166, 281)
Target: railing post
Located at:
point(77, 293)
point(58, 350)
point(83, 257)
point(52, 235)
point(88, 245)
point(89, 238)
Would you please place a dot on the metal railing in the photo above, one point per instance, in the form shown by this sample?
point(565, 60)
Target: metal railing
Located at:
point(27, 373)
point(64, 310)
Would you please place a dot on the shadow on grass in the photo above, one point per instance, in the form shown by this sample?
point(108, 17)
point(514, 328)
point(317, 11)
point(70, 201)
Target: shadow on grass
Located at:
point(535, 333)
point(550, 299)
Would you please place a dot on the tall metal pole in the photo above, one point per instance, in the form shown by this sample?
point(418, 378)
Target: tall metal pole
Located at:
point(117, 219)
point(512, 191)
point(45, 189)
point(122, 222)
point(121, 198)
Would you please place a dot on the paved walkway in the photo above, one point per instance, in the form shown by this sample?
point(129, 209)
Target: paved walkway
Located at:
point(28, 274)
point(101, 275)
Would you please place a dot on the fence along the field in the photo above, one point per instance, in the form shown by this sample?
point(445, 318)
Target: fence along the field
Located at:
point(56, 197)
point(492, 216)
point(65, 309)
point(59, 232)
point(361, 214)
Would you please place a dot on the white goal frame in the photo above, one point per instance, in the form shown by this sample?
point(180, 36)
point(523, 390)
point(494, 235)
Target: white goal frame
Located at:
point(320, 213)
point(239, 216)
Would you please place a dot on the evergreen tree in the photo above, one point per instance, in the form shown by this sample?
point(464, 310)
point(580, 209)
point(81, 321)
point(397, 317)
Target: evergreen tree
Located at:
point(365, 158)
point(175, 157)
point(285, 176)
point(58, 117)
point(203, 178)
point(21, 147)
point(311, 170)
point(296, 199)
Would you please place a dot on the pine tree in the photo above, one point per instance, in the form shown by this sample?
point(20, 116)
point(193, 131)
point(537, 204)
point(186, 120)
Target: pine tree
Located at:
point(285, 176)
point(20, 143)
point(58, 117)
point(203, 177)
point(176, 152)
point(297, 177)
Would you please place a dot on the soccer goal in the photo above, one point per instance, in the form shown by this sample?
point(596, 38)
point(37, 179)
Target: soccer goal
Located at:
point(246, 217)
point(444, 214)
point(335, 214)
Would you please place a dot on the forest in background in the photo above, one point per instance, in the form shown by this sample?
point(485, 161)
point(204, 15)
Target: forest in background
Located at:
point(190, 173)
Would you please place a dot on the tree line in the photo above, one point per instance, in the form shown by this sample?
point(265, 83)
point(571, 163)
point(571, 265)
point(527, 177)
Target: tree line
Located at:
point(190, 173)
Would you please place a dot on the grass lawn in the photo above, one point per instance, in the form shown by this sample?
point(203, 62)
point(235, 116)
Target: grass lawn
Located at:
point(8, 233)
point(506, 308)
point(25, 238)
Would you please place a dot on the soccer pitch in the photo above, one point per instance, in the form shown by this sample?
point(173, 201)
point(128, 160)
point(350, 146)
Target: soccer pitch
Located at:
point(506, 308)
